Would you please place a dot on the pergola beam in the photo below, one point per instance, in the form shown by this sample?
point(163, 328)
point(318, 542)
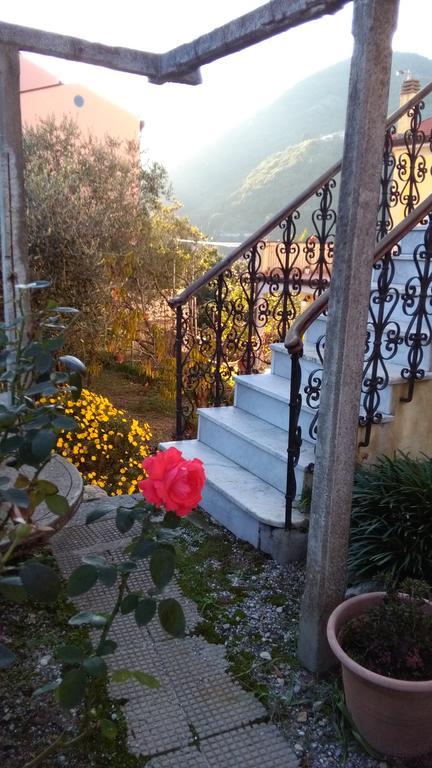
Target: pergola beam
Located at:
point(253, 27)
point(180, 64)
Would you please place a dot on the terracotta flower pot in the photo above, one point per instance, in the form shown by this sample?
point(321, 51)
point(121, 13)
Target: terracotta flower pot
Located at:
point(393, 716)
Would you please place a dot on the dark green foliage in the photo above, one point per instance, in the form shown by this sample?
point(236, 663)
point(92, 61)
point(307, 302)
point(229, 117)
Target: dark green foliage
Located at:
point(393, 639)
point(391, 529)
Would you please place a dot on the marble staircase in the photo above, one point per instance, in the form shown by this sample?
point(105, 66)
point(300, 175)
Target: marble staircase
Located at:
point(244, 446)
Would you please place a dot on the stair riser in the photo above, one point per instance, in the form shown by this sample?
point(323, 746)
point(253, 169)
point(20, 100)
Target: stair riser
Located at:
point(227, 513)
point(269, 409)
point(281, 366)
point(318, 328)
point(270, 468)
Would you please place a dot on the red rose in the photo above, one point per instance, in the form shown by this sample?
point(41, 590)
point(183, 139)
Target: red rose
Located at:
point(173, 482)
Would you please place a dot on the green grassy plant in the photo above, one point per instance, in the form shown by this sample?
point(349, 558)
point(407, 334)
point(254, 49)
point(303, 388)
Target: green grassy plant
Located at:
point(391, 528)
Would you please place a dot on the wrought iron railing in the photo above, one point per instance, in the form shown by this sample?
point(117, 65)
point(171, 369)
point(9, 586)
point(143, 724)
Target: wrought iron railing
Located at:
point(383, 338)
point(227, 318)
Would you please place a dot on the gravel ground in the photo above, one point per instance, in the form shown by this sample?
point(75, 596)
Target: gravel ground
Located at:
point(252, 603)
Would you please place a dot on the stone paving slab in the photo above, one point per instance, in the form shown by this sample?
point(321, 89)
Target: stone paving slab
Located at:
point(198, 717)
point(258, 746)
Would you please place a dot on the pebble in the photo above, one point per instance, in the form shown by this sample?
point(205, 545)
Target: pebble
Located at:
point(279, 609)
point(265, 655)
point(44, 661)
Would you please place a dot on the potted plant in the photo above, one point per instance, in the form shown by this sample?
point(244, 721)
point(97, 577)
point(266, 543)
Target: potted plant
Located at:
point(384, 643)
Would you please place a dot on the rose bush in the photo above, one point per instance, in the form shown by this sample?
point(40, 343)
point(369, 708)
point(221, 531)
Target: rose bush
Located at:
point(173, 482)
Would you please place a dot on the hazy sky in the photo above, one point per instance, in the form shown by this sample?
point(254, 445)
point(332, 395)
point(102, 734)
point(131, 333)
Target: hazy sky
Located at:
point(181, 119)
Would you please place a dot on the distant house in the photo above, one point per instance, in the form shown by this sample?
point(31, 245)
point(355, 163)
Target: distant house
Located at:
point(43, 95)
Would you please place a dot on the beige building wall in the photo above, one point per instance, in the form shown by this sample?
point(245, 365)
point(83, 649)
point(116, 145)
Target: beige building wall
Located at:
point(43, 96)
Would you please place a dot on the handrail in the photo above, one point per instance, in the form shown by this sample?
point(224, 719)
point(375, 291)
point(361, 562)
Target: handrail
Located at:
point(294, 336)
point(297, 202)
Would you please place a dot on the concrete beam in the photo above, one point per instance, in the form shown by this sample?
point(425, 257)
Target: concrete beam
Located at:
point(179, 65)
point(253, 27)
point(373, 27)
point(13, 229)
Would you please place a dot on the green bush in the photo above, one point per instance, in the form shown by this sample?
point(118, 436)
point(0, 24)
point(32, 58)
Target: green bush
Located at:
point(391, 529)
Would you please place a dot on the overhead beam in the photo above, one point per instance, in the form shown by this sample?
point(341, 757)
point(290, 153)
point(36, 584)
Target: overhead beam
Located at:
point(264, 22)
point(181, 64)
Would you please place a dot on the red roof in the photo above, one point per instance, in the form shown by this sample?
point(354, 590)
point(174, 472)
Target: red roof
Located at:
point(426, 125)
point(33, 77)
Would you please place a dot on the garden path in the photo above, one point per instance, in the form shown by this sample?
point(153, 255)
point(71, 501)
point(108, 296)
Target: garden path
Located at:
point(199, 717)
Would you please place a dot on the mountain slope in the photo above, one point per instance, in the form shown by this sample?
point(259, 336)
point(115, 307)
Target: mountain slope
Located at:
point(231, 188)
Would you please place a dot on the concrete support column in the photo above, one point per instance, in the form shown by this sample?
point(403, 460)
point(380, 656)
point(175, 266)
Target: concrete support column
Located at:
point(373, 27)
point(13, 230)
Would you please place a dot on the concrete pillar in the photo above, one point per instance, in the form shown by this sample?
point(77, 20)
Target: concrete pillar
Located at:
point(13, 230)
point(373, 27)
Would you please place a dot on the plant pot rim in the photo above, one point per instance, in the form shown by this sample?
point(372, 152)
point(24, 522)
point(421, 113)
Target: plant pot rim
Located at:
point(343, 613)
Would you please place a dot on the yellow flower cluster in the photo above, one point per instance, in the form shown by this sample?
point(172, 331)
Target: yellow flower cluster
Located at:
point(108, 447)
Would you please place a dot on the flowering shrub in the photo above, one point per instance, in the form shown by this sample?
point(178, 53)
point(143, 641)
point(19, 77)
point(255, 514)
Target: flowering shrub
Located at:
point(173, 482)
point(108, 447)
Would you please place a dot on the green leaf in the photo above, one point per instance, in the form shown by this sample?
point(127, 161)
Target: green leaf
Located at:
point(96, 514)
point(42, 388)
point(58, 505)
point(43, 443)
point(171, 617)
point(52, 345)
point(98, 561)
point(106, 647)
point(88, 618)
point(142, 549)
point(40, 582)
point(145, 611)
point(45, 487)
point(47, 688)
point(65, 423)
point(144, 679)
point(6, 657)
point(72, 688)
point(162, 566)
point(123, 675)
point(108, 729)
point(125, 519)
point(127, 566)
point(129, 603)
point(171, 520)
point(69, 654)
point(95, 666)
point(82, 579)
point(20, 532)
point(16, 496)
point(12, 589)
point(108, 576)
point(43, 361)
point(75, 381)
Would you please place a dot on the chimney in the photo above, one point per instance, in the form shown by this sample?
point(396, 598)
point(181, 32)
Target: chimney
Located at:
point(409, 88)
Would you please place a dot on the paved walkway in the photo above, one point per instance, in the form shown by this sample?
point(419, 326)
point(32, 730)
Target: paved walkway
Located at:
point(199, 717)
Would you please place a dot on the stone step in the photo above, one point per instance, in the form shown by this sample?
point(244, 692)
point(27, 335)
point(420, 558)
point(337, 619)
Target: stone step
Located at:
point(248, 506)
point(253, 443)
point(266, 395)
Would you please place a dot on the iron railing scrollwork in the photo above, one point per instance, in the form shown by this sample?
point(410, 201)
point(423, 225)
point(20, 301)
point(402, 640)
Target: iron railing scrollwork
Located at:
point(245, 308)
point(417, 306)
point(384, 334)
